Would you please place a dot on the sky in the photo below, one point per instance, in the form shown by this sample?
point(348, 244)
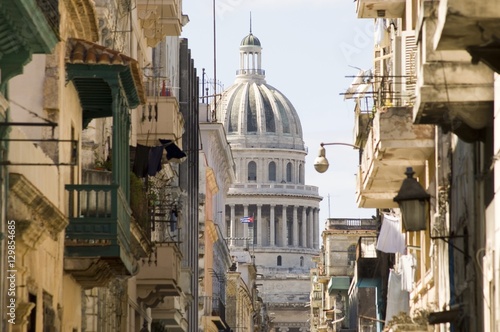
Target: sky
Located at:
point(308, 49)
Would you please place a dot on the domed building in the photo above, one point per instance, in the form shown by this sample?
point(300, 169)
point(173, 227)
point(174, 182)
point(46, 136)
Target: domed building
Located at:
point(270, 211)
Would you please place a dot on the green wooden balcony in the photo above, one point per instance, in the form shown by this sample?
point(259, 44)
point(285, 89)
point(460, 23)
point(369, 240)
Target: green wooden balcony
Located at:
point(97, 243)
point(27, 27)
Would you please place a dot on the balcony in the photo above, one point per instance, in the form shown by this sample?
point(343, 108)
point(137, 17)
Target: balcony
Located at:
point(317, 299)
point(367, 263)
point(215, 311)
point(464, 23)
point(380, 8)
point(343, 224)
point(451, 91)
point(159, 18)
point(169, 315)
point(28, 27)
point(392, 144)
point(161, 120)
point(159, 277)
point(97, 243)
point(252, 188)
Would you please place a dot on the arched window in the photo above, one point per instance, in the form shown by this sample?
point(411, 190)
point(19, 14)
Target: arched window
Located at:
point(278, 261)
point(301, 261)
point(252, 171)
point(272, 171)
point(301, 174)
point(289, 172)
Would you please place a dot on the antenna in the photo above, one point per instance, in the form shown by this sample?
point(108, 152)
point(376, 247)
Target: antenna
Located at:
point(328, 205)
point(250, 22)
point(215, 59)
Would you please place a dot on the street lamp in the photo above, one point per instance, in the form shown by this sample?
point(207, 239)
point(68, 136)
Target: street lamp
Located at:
point(321, 163)
point(413, 202)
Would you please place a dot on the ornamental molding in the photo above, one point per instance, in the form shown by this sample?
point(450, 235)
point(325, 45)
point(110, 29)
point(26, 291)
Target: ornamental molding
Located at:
point(34, 213)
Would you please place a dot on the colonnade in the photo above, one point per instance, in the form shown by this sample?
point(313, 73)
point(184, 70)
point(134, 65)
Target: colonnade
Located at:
point(274, 225)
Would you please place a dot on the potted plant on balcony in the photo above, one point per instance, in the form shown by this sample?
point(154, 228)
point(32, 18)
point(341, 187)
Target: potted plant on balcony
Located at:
point(404, 322)
point(103, 165)
point(138, 201)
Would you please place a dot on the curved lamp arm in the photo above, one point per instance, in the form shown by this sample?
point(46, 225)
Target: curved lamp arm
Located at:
point(321, 163)
point(347, 144)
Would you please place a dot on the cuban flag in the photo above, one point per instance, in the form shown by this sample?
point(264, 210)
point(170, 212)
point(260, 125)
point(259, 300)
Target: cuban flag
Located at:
point(246, 220)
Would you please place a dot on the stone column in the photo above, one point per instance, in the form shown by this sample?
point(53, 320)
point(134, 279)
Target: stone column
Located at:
point(259, 223)
point(245, 227)
point(295, 228)
point(232, 234)
point(303, 234)
point(272, 226)
point(316, 229)
point(284, 237)
point(310, 227)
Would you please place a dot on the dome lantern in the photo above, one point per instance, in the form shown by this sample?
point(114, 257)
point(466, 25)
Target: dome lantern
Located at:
point(250, 57)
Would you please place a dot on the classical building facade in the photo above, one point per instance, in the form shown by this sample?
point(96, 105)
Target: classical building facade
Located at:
point(342, 283)
point(270, 211)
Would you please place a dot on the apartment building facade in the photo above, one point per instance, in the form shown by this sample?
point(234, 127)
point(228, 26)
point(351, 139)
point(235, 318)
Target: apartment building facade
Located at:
point(434, 108)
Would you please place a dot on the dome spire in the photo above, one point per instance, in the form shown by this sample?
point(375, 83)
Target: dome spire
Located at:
point(250, 22)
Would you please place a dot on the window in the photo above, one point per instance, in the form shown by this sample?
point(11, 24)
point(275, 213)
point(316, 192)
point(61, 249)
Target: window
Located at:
point(289, 172)
point(351, 254)
point(272, 171)
point(31, 319)
point(301, 174)
point(278, 261)
point(301, 261)
point(252, 171)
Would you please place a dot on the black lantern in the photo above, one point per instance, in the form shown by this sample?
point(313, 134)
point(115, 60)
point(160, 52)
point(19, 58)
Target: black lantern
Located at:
point(413, 202)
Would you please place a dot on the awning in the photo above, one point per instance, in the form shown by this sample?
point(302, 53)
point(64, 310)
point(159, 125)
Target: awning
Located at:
point(338, 283)
point(94, 70)
point(174, 153)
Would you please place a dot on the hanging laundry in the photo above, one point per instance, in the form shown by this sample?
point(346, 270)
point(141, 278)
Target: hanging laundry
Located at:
point(390, 239)
point(398, 300)
point(154, 164)
point(407, 267)
point(140, 167)
point(173, 151)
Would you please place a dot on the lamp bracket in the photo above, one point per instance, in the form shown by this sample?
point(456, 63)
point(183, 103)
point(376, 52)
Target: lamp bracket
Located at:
point(452, 236)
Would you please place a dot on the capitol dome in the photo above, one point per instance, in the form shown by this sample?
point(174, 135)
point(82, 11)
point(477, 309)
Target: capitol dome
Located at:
point(254, 113)
point(271, 216)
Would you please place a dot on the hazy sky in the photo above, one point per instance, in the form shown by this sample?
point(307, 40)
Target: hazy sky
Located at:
point(309, 47)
